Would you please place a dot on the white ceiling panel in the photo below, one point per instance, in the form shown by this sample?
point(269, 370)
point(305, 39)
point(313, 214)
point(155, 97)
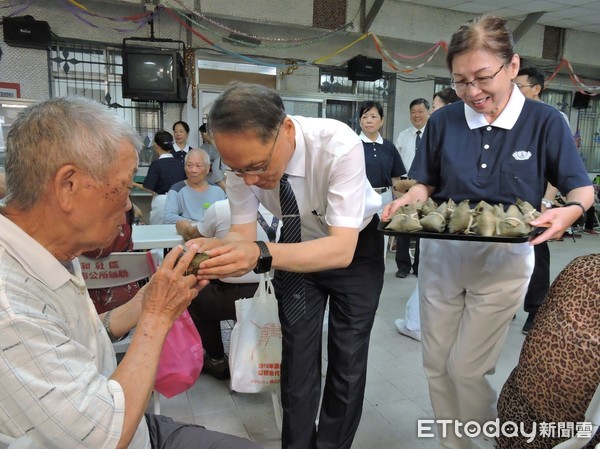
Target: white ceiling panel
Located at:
point(579, 15)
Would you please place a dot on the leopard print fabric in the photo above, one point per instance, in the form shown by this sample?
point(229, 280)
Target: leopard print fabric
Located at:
point(559, 365)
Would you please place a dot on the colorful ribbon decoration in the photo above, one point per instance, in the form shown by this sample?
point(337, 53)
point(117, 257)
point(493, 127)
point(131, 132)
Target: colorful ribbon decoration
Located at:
point(574, 78)
point(392, 59)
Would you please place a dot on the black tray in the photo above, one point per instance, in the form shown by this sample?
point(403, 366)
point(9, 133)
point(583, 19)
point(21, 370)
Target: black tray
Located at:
point(467, 237)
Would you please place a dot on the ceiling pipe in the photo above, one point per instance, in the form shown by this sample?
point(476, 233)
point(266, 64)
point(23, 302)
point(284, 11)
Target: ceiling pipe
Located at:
point(526, 24)
point(366, 22)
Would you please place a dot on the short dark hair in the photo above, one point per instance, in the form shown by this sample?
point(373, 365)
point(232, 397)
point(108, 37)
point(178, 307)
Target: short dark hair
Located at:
point(417, 101)
point(247, 107)
point(182, 123)
point(447, 95)
point(202, 128)
point(368, 105)
point(534, 74)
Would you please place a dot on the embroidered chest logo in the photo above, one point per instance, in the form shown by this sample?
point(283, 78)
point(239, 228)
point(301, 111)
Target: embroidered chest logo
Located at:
point(521, 155)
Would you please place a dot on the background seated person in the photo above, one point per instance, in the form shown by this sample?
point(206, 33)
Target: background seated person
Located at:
point(216, 301)
point(60, 384)
point(162, 174)
point(559, 366)
point(215, 174)
point(188, 199)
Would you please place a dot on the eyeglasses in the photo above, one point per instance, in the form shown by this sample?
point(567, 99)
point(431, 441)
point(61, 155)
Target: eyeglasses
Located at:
point(519, 85)
point(257, 170)
point(481, 81)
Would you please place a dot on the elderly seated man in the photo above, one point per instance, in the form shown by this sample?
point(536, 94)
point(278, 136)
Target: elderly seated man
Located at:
point(188, 199)
point(60, 384)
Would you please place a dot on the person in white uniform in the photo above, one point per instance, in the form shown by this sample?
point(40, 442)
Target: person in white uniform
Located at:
point(407, 143)
point(410, 325)
point(309, 172)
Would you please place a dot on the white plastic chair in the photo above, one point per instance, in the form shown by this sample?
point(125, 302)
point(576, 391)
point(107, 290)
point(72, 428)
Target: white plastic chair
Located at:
point(24, 442)
point(116, 269)
point(592, 415)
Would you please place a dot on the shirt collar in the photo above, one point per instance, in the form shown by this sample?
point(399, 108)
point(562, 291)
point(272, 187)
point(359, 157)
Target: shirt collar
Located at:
point(365, 139)
point(414, 130)
point(177, 148)
point(34, 258)
point(507, 118)
point(165, 155)
point(297, 165)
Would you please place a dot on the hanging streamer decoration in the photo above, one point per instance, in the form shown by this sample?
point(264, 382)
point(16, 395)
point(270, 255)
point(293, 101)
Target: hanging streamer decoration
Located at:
point(175, 16)
point(392, 59)
point(592, 90)
point(80, 11)
point(273, 42)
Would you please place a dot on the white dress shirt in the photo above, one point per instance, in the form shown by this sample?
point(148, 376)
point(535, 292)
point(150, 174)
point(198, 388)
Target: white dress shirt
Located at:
point(327, 175)
point(405, 142)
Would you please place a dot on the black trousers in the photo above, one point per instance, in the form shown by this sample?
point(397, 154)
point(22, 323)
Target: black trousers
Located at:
point(540, 279)
point(353, 294)
point(215, 303)
point(590, 218)
point(403, 261)
point(168, 434)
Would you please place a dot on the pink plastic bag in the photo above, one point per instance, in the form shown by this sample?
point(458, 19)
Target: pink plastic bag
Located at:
point(181, 358)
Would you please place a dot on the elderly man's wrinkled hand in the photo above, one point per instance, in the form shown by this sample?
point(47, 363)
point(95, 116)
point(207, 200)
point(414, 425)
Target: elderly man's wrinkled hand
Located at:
point(170, 290)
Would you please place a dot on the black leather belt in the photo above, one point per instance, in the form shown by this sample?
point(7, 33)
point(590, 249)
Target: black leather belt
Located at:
point(380, 189)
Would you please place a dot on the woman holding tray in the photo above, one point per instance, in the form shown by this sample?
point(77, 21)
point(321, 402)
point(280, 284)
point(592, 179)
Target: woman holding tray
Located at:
point(496, 146)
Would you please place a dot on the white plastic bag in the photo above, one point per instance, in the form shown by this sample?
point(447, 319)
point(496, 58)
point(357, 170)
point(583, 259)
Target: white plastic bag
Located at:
point(255, 345)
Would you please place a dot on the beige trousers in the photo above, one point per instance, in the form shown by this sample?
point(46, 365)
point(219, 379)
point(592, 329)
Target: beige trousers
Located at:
point(469, 292)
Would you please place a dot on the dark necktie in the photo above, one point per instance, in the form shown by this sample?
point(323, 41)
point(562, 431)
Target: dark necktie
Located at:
point(418, 140)
point(292, 284)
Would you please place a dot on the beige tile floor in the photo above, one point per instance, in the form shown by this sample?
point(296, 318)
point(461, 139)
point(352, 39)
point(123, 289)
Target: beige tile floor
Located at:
point(396, 394)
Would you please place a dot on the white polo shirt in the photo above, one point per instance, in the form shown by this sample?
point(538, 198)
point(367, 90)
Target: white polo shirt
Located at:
point(327, 175)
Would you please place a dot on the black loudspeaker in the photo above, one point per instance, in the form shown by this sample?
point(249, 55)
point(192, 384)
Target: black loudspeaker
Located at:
point(361, 68)
point(26, 32)
point(581, 101)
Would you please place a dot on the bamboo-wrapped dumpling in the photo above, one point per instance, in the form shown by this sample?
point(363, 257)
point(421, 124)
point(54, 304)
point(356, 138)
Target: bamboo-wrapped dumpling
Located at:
point(406, 219)
point(485, 223)
point(435, 221)
point(529, 212)
point(461, 219)
point(514, 224)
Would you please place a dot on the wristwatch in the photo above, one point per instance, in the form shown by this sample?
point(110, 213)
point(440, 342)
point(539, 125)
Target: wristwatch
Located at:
point(547, 203)
point(264, 259)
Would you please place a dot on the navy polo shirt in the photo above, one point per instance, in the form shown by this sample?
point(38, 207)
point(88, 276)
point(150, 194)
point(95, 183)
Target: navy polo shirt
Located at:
point(382, 162)
point(163, 173)
point(498, 164)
